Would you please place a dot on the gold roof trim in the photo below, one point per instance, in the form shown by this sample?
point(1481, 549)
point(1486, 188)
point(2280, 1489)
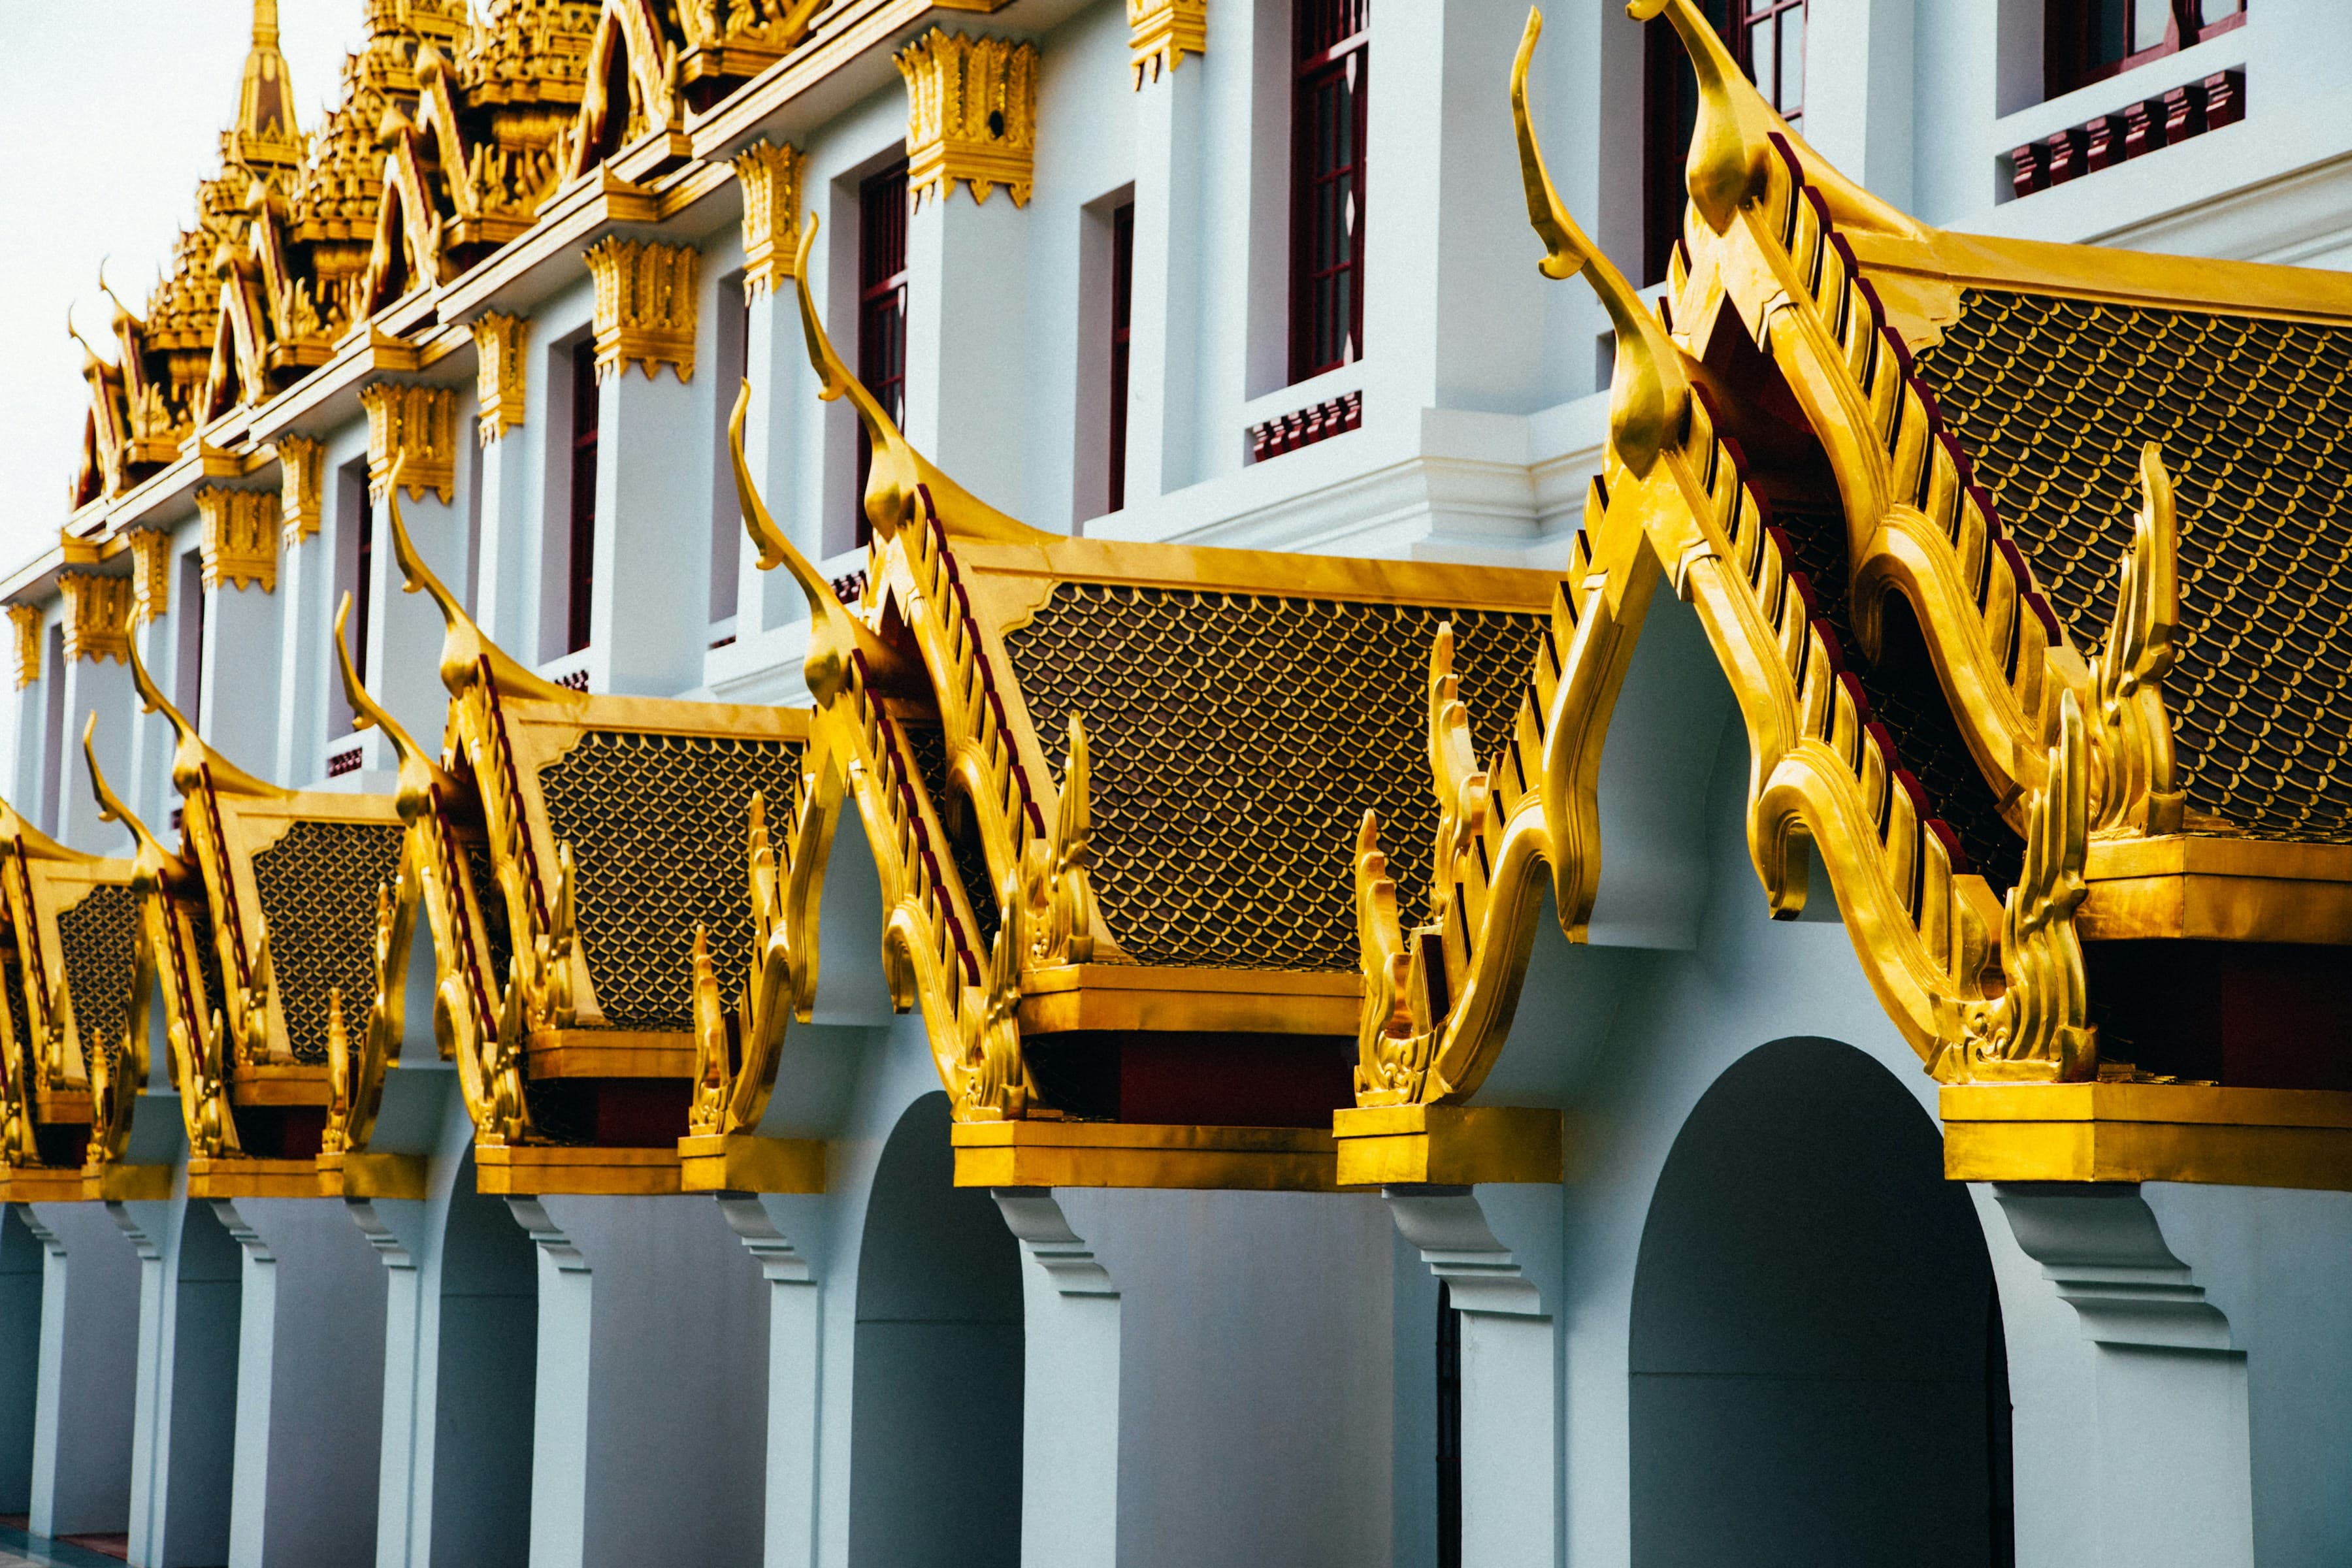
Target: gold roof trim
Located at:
point(2021, 1057)
point(561, 847)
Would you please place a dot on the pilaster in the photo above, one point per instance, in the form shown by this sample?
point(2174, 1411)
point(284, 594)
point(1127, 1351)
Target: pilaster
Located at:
point(96, 675)
point(82, 1407)
point(415, 429)
point(243, 623)
point(1070, 1401)
point(2172, 1482)
point(1163, 364)
point(795, 1358)
point(1511, 1439)
point(971, 110)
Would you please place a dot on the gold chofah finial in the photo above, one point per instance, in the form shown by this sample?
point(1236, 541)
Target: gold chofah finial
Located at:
point(1649, 392)
point(1731, 143)
point(2135, 784)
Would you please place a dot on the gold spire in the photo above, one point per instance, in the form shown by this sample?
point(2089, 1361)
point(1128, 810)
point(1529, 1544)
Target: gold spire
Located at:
point(265, 135)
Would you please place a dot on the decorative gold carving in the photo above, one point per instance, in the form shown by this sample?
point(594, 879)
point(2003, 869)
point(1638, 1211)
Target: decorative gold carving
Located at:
point(151, 575)
point(2039, 1026)
point(775, 25)
point(97, 616)
point(932, 955)
point(645, 305)
point(301, 476)
point(412, 432)
point(1061, 899)
point(972, 115)
point(168, 960)
point(771, 181)
point(240, 537)
point(501, 346)
point(1672, 500)
point(26, 621)
point(2134, 786)
point(1162, 32)
point(735, 1058)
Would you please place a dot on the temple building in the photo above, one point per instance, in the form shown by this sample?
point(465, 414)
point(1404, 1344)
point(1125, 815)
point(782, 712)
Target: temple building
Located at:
point(899, 783)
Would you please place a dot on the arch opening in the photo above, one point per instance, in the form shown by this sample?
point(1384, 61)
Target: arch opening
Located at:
point(936, 1408)
point(486, 1382)
point(1817, 1369)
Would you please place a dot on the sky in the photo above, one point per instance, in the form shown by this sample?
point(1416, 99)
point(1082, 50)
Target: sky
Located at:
point(116, 110)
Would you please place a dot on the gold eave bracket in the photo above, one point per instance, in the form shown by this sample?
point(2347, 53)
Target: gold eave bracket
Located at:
point(1039, 1154)
point(41, 1185)
point(241, 1177)
point(743, 1162)
point(527, 1169)
point(127, 1183)
point(2211, 889)
point(1209, 1001)
point(355, 1174)
point(2149, 1132)
point(1447, 1145)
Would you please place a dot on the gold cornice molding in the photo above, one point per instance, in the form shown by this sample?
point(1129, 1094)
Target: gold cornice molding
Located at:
point(500, 343)
point(97, 617)
point(240, 537)
point(301, 464)
point(26, 620)
point(416, 427)
point(1162, 32)
point(151, 575)
point(972, 115)
point(645, 305)
point(770, 178)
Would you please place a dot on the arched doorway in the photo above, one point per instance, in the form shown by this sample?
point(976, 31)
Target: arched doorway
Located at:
point(935, 1414)
point(1817, 1370)
point(486, 1382)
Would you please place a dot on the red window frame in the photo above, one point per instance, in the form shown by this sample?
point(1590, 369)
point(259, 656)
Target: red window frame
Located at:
point(580, 569)
point(2073, 50)
point(1330, 91)
point(1670, 104)
point(1777, 21)
point(882, 209)
point(362, 577)
point(1122, 315)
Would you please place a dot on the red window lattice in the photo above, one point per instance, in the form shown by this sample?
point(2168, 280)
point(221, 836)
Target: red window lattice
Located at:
point(1330, 91)
point(881, 308)
point(2085, 41)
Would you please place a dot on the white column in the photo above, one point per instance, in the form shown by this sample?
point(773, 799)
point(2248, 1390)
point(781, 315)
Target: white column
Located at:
point(652, 561)
point(1163, 364)
point(509, 589)
point(307, 672)
point(2172, 1482)
point(404, 630)
point(241, 714)
point(90, 1293)
point(559, 1421)
point(145, 1224)
point(1070, 1389)
point(394, 1227)
point(784, 392)
point(309, 1370)
point(1511, 1451)
point(102, 687)
point(967, 342)
point(795, 1349)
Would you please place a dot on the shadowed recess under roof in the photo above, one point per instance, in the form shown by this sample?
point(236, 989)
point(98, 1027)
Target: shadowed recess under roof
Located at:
point(2053, 397)
point(658, 827)
point(317, 890)
point(1235, 742)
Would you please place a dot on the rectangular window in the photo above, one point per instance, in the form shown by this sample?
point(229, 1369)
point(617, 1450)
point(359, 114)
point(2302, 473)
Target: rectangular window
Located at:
point(2085, 41)
point(363, 585)
point(881, 308)
point(53, 732)
point(581, 553)
point(1331, 90)
point(1768, 38)
point(726, 511)
point(1122, 314)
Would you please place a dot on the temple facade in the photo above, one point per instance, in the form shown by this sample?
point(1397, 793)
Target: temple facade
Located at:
point(901, 782)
